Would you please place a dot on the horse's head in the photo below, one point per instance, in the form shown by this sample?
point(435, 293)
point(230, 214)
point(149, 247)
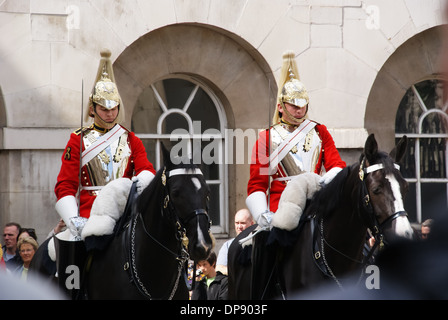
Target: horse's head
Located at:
point(188, 196)
point(384, 189)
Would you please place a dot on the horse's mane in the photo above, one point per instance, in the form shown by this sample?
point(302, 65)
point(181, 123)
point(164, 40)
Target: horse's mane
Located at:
point(344, 186)
point(327, 199)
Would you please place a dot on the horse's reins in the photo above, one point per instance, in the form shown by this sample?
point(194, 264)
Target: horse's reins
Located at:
point(183, 256)
point(364, 206)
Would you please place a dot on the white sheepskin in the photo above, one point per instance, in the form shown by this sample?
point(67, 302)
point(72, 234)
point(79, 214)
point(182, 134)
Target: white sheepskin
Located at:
point(293, 200)
point(51, 250)
point(65, 235)
point(107, 208)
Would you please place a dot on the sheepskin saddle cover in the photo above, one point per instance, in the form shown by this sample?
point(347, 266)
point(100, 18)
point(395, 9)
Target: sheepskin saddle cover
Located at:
point(293, 200)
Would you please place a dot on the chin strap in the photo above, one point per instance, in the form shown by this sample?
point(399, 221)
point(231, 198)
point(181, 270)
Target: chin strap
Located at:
point(103, 124)
point(298, 120)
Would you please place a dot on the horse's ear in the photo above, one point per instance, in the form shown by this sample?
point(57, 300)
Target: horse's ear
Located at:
point(166, 154)
point(399, 151)
point(371, 148)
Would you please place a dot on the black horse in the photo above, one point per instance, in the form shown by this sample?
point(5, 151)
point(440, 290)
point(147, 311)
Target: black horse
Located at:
point(147, 256)
point(329, 241)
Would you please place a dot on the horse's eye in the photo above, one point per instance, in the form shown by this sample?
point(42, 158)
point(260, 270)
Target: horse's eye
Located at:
point(377, 190)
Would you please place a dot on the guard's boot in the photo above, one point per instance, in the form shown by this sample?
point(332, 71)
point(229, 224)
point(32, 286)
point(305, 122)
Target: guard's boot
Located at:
point(263, 267)
point(71, 257)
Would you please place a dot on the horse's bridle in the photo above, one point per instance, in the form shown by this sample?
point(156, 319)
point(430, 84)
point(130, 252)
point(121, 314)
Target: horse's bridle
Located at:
point(366, 209)
point(367, 213)
point(167, 203)
point(181, 257)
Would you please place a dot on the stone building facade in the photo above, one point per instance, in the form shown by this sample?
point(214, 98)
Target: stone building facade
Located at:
point(187, 63)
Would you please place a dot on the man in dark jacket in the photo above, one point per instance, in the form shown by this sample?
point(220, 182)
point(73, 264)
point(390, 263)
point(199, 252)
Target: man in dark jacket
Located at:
point(11, 255)
point(214, 285)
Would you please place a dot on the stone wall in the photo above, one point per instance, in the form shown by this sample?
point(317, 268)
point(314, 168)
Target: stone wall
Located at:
point(49, 51)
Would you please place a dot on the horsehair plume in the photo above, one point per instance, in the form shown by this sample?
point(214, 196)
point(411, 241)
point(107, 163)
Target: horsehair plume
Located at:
point(105, 65)
point(289, 66)
point(105, 53)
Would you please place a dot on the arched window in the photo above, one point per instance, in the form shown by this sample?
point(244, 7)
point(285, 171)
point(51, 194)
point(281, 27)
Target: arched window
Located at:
point(422, 116)
point(183, 112)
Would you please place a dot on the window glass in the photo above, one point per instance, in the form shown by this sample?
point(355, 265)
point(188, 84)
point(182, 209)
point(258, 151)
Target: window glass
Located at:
point(408, 114)
point(432, 158)
point(432, 200)
point(185, 105)
point(422, 116)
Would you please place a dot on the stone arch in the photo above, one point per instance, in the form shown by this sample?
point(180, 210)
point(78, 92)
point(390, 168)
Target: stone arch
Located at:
point(416, 59)
point(237, 73)
point(226, 62)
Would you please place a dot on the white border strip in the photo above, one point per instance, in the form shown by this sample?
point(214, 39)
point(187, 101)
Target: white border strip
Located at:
point(379, 166)
point(180, 171)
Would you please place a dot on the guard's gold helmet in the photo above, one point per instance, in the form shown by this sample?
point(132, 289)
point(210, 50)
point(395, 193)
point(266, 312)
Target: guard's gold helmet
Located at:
point(105, 92)
point(290, 90)
point(294, 92)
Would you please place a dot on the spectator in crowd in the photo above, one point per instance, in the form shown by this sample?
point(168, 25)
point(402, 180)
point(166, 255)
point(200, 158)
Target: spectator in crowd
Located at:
point(27, 247)
point(214, 285)
point(10, 253)
point(27, 232)
point(426, 228)
point(243, 219)
point(2, 261)
point(60, 226)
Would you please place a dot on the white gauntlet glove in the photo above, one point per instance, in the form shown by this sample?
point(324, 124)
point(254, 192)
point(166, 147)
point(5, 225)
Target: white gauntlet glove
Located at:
point(143, 179)
point(257, 204)
point(68, 210)
point(327, 177)
point(265, 219)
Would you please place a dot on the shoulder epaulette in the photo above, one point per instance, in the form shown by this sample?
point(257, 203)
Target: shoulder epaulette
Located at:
point(83, 129)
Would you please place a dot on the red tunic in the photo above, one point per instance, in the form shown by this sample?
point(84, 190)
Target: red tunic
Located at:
point(68, 178)
point(329, 158)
